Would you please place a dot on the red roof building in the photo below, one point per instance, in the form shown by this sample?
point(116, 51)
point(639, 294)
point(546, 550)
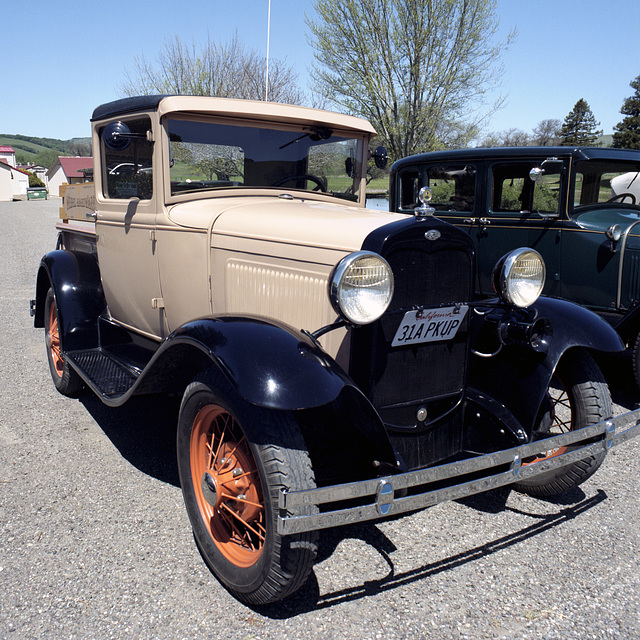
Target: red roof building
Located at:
point(7, 155)
point(68, 169)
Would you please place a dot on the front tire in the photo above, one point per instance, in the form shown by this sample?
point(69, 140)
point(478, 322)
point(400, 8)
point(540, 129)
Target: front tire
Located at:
point(233, 459)
point(66, 380)
point(578, 396)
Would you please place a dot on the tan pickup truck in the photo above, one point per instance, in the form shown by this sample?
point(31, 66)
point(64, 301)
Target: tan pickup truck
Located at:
point(333, 364)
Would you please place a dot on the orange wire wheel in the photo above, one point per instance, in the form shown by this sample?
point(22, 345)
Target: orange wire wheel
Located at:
point(577, 397)
point(227, 486)
point(234, 459)
point(64, 377)
point(53, 340)
point(561, 420)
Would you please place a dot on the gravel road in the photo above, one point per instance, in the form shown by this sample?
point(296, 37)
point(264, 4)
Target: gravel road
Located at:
point(95, 542)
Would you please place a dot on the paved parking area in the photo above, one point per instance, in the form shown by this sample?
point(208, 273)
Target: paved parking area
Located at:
point(95, 542)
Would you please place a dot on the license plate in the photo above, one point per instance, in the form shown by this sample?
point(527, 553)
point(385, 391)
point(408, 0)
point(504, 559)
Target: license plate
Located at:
point(429, 325)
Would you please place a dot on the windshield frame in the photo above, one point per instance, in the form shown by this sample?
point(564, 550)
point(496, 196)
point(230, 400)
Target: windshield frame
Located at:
point(293, 134)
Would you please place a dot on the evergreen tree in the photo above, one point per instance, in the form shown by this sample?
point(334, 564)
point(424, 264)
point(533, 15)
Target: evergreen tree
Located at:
point(580, 128)
point(627, 131)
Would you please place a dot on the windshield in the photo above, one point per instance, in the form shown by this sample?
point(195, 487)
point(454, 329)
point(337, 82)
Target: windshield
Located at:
point(607, 181)
point(212, 155)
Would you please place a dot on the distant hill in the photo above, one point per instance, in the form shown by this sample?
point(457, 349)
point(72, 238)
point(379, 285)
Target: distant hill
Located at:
point(44, 151)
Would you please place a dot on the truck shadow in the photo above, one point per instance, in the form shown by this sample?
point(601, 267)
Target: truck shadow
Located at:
point(309, 598)
point(143, 431)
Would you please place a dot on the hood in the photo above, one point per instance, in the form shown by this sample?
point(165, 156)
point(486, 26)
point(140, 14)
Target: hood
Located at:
point(284, 221)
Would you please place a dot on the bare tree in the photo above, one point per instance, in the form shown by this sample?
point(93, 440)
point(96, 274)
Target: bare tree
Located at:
point(224, 70)
point(409, 66)
point(547, 132)
point(509, 138)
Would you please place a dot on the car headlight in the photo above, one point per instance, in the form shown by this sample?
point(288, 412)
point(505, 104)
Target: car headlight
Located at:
point(361, 287)
point(518, 277)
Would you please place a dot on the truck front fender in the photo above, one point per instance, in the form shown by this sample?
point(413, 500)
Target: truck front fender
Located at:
point(518, 375)
point(272, 365)
point(269, 363)
point(75, 280)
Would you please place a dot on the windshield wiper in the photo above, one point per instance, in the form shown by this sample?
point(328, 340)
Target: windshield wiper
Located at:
point(316, 133)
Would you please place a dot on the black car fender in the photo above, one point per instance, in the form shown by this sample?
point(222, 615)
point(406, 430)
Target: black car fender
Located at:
point(272, 365)
point(518, 374)
point(75, 280)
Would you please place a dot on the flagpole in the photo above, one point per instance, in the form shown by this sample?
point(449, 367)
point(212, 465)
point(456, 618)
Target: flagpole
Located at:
point(266, 83)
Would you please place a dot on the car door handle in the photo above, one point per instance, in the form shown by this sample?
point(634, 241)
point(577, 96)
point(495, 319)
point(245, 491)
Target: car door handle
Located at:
point(482, 222)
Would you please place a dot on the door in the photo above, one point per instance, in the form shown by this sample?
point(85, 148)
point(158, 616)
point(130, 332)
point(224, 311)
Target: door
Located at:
point(521, 213)
point(126, 231)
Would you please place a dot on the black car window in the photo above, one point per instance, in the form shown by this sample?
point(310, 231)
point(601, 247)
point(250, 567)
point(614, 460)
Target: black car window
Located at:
point(128, 168)
point(513, 191)
point(606, 181)
point(453, 186)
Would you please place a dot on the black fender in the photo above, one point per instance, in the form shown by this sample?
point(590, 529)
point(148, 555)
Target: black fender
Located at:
point(269, 363)
point(75, 279)
point(518, 375)
point(272, 365)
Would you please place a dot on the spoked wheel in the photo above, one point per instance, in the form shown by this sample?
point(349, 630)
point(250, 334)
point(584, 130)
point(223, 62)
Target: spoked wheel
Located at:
point(233, 459)
point(66, 380)
point(577, 397)
point(227, 486)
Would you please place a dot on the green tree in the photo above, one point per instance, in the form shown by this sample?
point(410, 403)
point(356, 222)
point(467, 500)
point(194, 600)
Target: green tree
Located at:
point(34, 181)
point(225, 70)
point(418, 70)
point(627, 131)
point(580, 128)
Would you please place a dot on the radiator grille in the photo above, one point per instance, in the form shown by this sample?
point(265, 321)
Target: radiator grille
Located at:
point(427, 274)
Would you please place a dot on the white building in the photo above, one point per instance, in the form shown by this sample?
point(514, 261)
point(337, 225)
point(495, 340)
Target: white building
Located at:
point(7, 155)
point(13, 182)
point(67, 169)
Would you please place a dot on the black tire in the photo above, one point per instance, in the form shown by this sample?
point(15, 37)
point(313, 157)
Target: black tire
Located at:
point(257, 452)
point(578, 396)
point(64, 377)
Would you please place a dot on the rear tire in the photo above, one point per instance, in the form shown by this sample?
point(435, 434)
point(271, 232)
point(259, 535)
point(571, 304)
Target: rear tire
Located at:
point(233, 459)
point(578, 396)
point(65, 378)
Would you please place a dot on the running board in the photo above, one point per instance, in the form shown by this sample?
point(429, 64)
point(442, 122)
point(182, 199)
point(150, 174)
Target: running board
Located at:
point(107, 376)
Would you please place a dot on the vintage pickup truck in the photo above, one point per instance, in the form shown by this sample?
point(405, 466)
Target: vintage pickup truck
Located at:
point(333, 363)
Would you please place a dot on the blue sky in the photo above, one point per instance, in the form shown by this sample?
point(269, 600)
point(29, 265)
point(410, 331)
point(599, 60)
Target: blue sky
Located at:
point(63, 58)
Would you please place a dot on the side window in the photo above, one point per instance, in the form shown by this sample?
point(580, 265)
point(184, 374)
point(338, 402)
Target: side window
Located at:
point(453, 186)
point(127, 171)
point(513, 191)
point(607, 181)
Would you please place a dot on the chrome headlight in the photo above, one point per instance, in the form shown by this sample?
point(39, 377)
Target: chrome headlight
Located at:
point(361, 287)
point(518, 277)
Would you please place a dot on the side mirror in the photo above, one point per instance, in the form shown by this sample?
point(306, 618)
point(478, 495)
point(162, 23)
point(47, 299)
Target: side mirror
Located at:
point(537, 173)
point(380, 157)
point(117, 135)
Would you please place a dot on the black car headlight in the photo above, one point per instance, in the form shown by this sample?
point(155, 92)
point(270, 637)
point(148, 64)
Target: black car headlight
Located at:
point(361, 287)
point(518, 277)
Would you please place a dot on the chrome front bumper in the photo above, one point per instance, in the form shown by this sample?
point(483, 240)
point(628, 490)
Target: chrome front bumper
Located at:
point(376, 498)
